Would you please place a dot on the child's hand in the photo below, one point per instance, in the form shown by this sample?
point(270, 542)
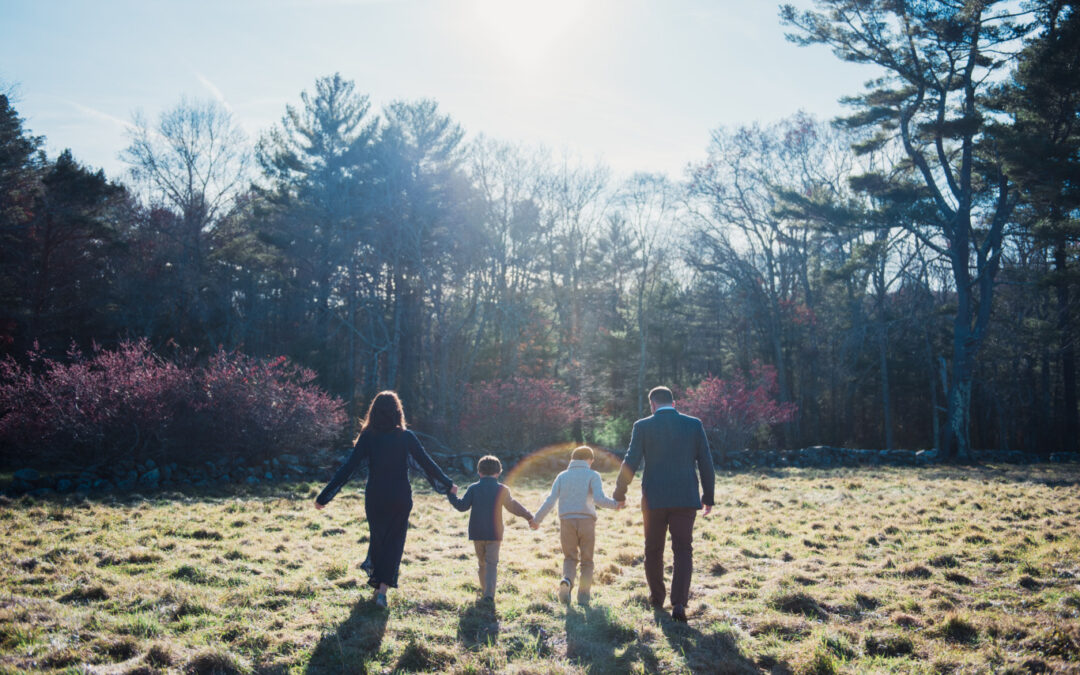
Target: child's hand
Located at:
point(534, 525)
point(319, 507)
point(453, 490)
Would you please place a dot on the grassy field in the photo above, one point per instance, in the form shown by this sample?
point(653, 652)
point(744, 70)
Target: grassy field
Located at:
point(852, 570)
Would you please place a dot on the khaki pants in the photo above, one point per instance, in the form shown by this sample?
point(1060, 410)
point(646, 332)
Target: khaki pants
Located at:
point(577, 536)
point(487, 556)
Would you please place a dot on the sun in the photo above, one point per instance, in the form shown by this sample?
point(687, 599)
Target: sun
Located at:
point(528, 33)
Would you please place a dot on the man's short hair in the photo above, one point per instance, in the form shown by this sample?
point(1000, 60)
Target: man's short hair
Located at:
point(582, 452)
point(489, 465)
point(661, 396)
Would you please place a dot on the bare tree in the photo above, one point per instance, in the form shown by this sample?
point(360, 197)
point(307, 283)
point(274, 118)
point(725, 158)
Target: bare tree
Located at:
point(193, 162)
point(508, 179)
point(649, 204)
point(574, 205)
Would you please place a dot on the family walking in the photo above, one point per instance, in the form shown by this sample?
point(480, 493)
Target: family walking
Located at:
point(677, 481)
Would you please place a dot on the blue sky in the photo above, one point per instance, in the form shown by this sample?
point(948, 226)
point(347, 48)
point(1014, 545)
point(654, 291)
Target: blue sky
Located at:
point(637, 84)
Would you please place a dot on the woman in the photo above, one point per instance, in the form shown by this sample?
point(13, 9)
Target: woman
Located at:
point(390, 449)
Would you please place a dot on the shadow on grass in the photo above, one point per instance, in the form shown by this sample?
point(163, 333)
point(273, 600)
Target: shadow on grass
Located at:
point(478, 625)
point(353, 644)
point(714, 653)
point(593, 639)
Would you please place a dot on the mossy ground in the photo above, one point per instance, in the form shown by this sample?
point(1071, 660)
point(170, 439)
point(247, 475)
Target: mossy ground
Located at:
point(940, 569)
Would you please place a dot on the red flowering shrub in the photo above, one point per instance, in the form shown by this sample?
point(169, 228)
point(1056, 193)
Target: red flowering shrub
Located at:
point(515, 416)
point(262, 408)
point(131, 403)
point(735, 410)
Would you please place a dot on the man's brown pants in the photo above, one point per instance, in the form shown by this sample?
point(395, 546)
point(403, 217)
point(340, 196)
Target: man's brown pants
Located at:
point(680, 522)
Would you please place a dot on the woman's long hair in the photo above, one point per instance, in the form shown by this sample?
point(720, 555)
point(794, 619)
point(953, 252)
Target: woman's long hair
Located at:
point(384, 414)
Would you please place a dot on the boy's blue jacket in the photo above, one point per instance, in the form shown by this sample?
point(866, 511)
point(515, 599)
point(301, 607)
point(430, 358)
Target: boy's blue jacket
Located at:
point(487, 498)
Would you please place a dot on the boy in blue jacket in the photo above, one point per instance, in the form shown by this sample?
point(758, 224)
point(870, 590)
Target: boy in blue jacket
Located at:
point(487, 498)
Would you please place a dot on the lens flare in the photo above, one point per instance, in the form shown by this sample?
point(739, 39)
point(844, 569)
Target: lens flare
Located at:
point(548, 461)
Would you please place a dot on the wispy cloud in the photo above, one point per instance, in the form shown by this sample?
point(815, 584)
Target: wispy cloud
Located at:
point(213, 88)
point(112, 119)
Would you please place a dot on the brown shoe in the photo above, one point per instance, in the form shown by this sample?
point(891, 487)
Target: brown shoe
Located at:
point(678, 612)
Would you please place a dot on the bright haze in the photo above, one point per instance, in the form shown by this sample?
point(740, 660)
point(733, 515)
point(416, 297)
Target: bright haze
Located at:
point(636, 84)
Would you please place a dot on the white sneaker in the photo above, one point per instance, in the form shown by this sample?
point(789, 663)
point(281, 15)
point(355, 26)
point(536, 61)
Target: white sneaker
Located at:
point(564, 591)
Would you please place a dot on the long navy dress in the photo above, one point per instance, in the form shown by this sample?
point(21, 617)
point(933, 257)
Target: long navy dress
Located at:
point(388, 497)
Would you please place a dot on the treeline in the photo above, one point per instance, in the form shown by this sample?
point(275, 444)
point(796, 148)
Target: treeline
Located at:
point(906, 275)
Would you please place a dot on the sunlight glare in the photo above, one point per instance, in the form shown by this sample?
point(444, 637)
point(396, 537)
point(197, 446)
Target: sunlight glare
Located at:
point(526, 32)
point(546, 463)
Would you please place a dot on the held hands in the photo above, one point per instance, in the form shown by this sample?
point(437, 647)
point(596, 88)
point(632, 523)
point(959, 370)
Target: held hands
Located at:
point(453, 490)
point(534, 525)
point(619, 506)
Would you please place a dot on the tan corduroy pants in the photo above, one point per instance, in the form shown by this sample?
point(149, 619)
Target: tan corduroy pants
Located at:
point(577, 536)
point(487, 557)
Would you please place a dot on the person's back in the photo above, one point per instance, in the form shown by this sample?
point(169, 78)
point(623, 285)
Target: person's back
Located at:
point(388, 461)
point(389, 449)
point(672, 448)
point(578, 491)
point(486, 499)
point(675, 452)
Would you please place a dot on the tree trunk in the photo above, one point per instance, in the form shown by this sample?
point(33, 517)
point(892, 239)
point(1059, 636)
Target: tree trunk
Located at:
point(1071, 427)
point(886, 403)
point(1047, 433)
point(643, 337)
point(776, 342)
point(957, 443)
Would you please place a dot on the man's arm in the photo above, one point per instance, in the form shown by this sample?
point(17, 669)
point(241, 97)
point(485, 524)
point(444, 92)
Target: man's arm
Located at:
point(706, 470)
point(629, 464)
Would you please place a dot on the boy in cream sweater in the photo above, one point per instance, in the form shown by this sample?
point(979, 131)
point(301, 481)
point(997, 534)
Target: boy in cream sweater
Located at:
point(579, 490)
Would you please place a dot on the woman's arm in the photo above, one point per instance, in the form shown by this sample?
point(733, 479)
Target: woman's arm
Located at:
point(359, 454)
point(440, 482)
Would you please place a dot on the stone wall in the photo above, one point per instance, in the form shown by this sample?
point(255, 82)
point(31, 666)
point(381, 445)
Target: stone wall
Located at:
point(823, 456)
point(147, 476)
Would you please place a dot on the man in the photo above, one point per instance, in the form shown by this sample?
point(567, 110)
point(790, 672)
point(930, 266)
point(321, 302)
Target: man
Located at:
point(675, 451)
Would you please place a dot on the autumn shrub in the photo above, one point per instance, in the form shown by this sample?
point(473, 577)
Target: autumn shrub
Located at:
point(517, 415)
point(259, 407)
point(738, 409)
point(129, 402)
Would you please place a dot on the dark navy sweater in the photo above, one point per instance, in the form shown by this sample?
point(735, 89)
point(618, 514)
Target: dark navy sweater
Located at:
point(487, 498)
point(675, 451)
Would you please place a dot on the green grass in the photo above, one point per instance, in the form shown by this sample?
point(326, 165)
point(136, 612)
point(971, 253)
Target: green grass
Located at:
point(803, 571)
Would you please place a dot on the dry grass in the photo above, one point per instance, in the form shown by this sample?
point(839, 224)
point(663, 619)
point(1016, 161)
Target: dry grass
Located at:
point(851, 570)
